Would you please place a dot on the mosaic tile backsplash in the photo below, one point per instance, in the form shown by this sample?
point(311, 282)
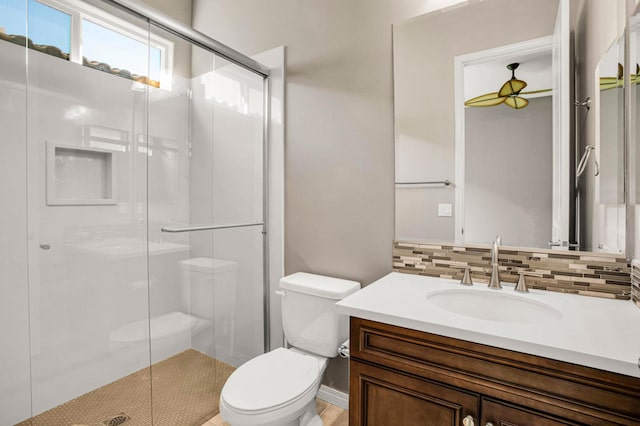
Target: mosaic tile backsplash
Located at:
point(589, 274)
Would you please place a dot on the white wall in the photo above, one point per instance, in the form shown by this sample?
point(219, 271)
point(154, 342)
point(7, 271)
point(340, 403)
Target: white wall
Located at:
point(61, 314)
point(14, 333)
point(75, 298)
point(226, 188)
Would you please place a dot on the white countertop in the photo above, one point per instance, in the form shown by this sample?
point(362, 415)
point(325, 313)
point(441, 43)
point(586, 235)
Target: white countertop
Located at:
point(594, 332)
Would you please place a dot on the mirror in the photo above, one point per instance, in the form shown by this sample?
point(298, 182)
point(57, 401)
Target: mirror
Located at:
point(485, 121)
point(634, 125)
point(604, 166)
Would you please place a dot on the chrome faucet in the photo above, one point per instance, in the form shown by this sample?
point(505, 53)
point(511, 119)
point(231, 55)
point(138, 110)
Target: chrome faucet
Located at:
point(494, 281)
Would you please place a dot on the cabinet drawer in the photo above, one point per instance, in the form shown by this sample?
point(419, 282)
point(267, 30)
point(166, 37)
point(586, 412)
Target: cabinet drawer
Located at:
point(500, 414)
point(567, 390)
point(380, 397)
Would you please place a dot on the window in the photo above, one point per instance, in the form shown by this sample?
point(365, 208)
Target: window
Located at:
point(121, 52)
point(13, 19)
point(49, 28)
point(75, 31)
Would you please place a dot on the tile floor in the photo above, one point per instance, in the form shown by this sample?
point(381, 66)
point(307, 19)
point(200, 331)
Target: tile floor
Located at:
point(330, 414)
point(185, 392)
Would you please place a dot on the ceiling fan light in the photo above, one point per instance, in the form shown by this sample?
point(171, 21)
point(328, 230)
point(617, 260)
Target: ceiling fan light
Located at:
point(607, 83)
point(512, 87)
point(516, 102)
point(490, 99)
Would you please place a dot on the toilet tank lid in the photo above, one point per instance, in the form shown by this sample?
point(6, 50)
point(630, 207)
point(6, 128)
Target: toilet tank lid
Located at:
point(208, 264)
point(319, 285)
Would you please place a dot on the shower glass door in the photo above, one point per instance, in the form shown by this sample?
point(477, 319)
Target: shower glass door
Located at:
point(205, 204)
point(120, 138)
point(87, 205)
point(15, 392)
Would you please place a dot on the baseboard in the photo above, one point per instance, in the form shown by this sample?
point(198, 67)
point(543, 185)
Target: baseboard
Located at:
point(334, 396)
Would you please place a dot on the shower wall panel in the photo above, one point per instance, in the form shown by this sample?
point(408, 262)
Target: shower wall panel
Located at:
point(168, 187)
point(227, 188)
point(87, 263)
point(14, 315)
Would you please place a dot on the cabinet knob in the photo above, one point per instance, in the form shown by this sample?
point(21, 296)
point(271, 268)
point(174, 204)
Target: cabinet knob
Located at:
point(468, 421)
point(489, 424)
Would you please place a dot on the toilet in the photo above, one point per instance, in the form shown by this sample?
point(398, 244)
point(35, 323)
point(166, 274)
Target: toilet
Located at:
point(209, 294)
point(205, 309)
point(279, 388)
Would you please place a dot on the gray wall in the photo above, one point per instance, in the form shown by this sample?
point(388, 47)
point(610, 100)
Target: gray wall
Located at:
point(178, 9)
point(339, 123)
point(508, 174)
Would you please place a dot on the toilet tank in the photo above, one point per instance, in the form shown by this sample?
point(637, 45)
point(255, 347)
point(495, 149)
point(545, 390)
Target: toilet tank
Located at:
point(207, 283)
point(309, 318)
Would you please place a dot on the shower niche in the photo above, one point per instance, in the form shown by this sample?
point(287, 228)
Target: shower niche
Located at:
point(78, 175)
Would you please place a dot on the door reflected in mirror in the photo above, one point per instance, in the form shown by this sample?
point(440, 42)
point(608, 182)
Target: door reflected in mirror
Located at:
point(605, 163)
point(504, 144)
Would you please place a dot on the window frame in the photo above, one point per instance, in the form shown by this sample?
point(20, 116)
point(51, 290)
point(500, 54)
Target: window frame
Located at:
point(80, 11)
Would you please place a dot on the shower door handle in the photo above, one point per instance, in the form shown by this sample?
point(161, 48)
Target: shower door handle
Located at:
point(176, 229)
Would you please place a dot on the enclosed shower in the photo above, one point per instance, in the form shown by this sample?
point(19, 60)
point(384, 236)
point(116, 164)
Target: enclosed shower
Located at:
point(133, 245)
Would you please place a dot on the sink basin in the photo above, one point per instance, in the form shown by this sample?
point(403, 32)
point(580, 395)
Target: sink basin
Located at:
point(494, 306)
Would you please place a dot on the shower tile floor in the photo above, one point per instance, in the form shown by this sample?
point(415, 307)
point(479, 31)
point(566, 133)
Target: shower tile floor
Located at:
point(185, 388)
point(184, 391)
point(330, 414)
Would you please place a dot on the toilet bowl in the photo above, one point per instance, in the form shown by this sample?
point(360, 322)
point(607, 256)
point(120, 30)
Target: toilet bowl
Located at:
point(206, 309)
point(170, 335)
point(275, 388)
point(279, 388)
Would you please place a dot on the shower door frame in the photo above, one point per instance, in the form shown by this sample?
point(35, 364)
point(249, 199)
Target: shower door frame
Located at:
point(203, 41)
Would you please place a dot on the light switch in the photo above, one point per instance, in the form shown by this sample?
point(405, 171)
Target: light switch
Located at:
point(444, 210)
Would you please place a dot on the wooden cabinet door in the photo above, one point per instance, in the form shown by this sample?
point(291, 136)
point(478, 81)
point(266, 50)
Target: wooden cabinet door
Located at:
point(502, 414)
point(380, 397)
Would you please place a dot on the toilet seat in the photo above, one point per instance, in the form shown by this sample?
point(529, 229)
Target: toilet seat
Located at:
point(271, 381)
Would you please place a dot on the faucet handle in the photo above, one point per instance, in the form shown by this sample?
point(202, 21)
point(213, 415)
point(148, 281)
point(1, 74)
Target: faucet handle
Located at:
point(466, 278)
point(522, 286)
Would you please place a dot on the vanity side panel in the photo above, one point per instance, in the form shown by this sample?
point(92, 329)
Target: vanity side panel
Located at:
point(570, 391)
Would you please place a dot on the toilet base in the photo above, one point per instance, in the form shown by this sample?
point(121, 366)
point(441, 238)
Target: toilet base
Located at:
point(310, 416)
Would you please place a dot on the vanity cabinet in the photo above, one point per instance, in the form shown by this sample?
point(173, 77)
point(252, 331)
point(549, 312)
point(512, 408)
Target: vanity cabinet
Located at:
point(499, 413)
point(400, 376)
point(390, 398)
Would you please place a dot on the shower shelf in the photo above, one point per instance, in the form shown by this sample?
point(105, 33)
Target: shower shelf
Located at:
point(78, 176)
